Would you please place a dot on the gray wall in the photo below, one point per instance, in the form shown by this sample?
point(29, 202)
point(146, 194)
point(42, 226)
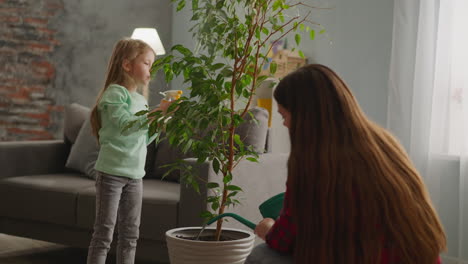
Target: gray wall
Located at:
point(89, 29)
point(357, 46)
point(361, 36)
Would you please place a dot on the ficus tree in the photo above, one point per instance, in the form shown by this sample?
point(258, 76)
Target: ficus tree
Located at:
point(221, 74)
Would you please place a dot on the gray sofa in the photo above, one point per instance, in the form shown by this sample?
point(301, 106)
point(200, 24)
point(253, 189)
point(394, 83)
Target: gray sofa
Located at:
point(41, 198)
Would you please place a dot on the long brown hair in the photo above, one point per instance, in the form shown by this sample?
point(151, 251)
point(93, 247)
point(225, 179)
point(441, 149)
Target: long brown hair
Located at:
point(125, 49)
point(352, 188)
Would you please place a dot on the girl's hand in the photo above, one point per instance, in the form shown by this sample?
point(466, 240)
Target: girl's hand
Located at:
point(262, 229)
point(164, 105)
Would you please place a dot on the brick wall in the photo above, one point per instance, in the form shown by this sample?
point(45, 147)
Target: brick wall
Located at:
point(55, 52)
point(27, 42)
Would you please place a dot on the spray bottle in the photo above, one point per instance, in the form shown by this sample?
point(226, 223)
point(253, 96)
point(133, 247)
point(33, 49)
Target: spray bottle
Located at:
point(171, 95)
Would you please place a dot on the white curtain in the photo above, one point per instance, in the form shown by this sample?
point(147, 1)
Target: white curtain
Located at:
point(427, 110)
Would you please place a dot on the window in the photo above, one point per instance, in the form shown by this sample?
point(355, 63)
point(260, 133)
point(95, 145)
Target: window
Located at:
point(450, 110)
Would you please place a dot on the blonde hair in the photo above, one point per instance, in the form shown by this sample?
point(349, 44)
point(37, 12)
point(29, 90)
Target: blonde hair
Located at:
point(125, 49)
point(351, 185)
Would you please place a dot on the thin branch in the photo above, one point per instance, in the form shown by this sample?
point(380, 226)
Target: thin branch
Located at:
point(280, 37)
point(309, 6)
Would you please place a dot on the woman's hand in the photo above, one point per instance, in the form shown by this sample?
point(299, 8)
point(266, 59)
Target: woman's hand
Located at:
point(262, 229)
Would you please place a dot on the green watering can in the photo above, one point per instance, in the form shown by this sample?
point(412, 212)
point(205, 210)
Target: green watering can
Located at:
point(271, 208)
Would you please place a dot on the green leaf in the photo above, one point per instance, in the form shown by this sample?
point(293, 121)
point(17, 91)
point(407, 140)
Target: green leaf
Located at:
point(301, 27)
point(277, 4)
point(237, 121)
point(322, 31)
point(183, 50)
point(227, 179)
point(312, 34)
point(281, 18)
point(217, 66)
point(194, 4)
point(233, 188)
point(219, 4)
point(216, 165)
point(273, 67)
point(257, 33)
point(226, 72)
point(142, 112)
point(301, 54)
point(252, 159)
point(206, 214)
point(215, 206)
point(297, 37)
point(239, 89)
point(181, 5)
point(212, 185)
point(195, 186)
point(189, 142)
point(260, 79)
point(237, 139)
point(129, 125)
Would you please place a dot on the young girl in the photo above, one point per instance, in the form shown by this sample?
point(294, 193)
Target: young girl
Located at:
point(121, 161)
point(352, 194)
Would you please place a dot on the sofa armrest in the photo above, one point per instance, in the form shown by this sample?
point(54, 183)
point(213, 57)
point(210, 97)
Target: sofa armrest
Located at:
point(19, 158)
point(259, 182)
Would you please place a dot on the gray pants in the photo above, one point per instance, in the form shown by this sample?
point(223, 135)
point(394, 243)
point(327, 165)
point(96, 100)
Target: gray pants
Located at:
point(118, 199)
point(262, 254)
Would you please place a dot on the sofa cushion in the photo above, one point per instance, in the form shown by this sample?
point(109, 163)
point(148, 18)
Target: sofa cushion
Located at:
point(159, 211)
point(75, 115)
point(49, 198)
point(84, 152)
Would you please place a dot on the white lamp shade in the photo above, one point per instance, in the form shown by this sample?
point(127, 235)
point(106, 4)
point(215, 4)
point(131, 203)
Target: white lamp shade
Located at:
point(150, 36)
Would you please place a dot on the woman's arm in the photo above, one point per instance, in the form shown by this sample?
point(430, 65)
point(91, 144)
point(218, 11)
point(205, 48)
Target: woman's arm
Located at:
point(282, 235)
point(263, 227)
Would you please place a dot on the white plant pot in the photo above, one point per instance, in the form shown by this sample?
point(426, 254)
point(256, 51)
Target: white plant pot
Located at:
point(185, 251)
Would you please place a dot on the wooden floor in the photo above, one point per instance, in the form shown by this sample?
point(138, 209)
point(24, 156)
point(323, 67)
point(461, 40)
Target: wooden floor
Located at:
point(17, 250)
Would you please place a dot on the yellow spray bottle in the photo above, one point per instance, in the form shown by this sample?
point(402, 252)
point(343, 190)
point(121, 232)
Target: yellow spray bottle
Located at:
point(172, 95)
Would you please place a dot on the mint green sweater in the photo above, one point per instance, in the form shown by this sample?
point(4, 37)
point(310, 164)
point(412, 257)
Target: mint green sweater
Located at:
point(122, 154)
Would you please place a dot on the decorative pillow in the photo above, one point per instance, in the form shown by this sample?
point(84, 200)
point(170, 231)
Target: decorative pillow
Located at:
point(250, 133)
point(84, 151)
point(75, 115)
point(254, 134)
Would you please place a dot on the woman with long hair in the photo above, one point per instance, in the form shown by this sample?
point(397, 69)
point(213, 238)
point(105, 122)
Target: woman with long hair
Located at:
point(352, 193)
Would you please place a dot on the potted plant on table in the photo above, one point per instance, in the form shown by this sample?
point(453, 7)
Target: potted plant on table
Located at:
point(222, 74)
